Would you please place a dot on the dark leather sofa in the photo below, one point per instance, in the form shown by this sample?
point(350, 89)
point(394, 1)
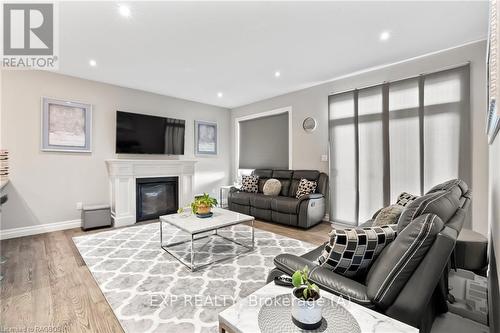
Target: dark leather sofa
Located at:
point(419, 291)
point(304, 213)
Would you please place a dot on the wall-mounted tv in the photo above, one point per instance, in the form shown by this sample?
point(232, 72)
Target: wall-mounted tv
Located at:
point(144, 134)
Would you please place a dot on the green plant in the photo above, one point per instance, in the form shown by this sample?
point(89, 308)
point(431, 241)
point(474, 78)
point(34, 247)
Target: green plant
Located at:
point(203, 201)
point(310, 291)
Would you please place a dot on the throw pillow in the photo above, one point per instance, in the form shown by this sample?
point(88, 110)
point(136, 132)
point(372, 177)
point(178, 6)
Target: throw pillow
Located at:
point(305, 187)
point(388, 215)
point(350, 252)
point(404, 199)
point(249, 184)
point(272, 187)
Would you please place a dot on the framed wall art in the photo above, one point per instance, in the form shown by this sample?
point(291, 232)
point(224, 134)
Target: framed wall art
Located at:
point(205, 137)
point(66, 126)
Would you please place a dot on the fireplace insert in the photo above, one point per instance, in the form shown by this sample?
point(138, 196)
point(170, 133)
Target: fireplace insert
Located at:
point(156, 196)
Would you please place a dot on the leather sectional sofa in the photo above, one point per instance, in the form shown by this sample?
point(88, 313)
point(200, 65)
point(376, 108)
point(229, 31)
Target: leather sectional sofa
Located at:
point(418, 291)
point(285, 209)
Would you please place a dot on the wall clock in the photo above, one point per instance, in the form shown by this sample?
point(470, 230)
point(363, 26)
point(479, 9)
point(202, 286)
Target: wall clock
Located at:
point(309, 124)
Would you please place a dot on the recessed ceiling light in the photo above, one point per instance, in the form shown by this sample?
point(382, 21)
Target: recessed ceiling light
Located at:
point(277, 74)
point(219, 94)
point(92, 62)
point(124, 10)
point(385, 35)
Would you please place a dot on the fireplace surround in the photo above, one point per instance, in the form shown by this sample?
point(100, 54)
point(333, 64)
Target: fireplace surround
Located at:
point(123, 177)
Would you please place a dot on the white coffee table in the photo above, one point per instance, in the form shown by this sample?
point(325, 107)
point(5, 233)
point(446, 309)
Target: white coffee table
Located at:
point(203, 228)
point(243, 316)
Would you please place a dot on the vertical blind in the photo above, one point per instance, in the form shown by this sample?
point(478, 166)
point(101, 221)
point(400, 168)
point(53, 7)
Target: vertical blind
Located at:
point(402, 136)
point(264, 142)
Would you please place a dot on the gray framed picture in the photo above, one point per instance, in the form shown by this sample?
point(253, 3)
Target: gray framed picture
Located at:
point(205, 137)
point(66, 126)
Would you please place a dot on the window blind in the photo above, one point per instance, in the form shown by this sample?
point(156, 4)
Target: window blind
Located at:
point(263, 142)
point(402, 136)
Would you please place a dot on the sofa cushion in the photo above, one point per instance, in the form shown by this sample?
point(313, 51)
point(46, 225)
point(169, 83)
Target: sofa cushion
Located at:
point(443, 203)
point(259, 200)
point(272, 187)
point(263, 173)
point(458, 184)
point(350, 252)
point(282, 174)
point(285, 178)
point(285, 205)
point(241, 198)
point(249, 184)
point(398, 261)
point(260, 185)
point(306, 187)
point(301, 174)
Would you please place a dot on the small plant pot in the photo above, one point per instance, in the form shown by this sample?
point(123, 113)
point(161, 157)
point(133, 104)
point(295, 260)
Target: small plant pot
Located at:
point(203, 210)
point(306, 315)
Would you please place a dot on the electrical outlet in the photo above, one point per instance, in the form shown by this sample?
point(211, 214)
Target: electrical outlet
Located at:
point(324, 158)
point(79, 206)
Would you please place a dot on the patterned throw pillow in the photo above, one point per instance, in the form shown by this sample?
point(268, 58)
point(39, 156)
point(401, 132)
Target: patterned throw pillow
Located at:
point(305, 187)
point(404, 199)
point(351, 251)
point(250, 184)
point(388, 215)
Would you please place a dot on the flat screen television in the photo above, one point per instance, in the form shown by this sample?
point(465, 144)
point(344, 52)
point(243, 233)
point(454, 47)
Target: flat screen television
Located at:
point(144, 134)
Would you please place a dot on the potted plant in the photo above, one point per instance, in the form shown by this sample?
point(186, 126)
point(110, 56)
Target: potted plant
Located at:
point(202, 205)
point(306, 301)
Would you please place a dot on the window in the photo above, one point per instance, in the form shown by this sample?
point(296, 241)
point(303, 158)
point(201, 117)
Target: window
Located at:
point(403, 136)
point(264, 142)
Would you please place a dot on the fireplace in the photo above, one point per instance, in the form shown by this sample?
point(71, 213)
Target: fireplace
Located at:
point(156, 196)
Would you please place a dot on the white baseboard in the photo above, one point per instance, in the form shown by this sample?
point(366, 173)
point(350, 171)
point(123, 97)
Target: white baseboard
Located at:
point(39, 229)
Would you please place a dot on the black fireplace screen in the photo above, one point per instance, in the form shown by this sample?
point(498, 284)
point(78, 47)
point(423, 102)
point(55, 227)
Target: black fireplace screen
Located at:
point(156, 197)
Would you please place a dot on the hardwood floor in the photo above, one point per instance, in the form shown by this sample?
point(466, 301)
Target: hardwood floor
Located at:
point(48, 288)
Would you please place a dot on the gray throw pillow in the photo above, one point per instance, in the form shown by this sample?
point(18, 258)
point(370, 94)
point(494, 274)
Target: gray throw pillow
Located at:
point(272, 187)
point(388, 215)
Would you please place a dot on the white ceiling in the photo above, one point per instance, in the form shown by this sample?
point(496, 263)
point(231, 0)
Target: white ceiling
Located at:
point(195, 50)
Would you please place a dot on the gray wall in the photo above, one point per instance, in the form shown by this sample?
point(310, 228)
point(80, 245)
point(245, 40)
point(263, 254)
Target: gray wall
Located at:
point(494, 221)
point(45, 186)
point(308, 147)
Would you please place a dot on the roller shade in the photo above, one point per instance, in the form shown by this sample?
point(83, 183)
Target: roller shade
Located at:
point(264, 142)
point(401, 136)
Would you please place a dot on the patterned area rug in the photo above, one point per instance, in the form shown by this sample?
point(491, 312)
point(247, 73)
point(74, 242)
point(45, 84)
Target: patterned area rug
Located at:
point(150, 291)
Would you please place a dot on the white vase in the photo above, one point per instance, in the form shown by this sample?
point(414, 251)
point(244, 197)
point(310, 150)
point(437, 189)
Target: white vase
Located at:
point(306, 315)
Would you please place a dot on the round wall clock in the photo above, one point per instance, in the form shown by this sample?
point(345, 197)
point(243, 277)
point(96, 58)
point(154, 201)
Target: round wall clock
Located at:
point(309, 124)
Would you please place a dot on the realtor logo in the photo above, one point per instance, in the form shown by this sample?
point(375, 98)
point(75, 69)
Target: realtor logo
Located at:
point(29, 36)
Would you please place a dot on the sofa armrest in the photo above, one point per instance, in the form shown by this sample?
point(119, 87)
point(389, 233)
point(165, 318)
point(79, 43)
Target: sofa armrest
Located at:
point(311, 210)
point(311, 196)
point(327, 280)
point(233, 189)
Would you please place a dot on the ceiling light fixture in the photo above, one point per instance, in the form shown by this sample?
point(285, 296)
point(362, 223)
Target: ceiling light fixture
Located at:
point(277, 74)
point(219, 94)
point(385, 35)
point(124, 10)
point(92, 62)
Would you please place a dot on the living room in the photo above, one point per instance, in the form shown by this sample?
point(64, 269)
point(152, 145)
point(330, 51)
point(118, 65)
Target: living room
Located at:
point(190, 166)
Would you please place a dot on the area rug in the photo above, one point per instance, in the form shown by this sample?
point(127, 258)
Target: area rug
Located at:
point(150, 291)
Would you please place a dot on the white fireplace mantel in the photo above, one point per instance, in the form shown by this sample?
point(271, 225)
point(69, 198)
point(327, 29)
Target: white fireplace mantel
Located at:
point(122, 181)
